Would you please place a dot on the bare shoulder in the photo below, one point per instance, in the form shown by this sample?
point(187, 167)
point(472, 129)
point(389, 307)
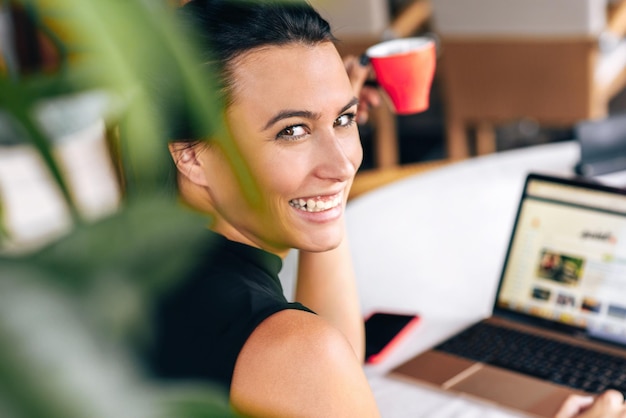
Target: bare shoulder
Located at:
point(296, 364)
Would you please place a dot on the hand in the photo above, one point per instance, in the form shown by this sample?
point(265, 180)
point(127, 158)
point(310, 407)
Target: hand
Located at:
point(609, 404)
point(369, 97)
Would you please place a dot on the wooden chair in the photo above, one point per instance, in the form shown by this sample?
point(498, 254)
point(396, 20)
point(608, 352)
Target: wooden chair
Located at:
point(554, 61)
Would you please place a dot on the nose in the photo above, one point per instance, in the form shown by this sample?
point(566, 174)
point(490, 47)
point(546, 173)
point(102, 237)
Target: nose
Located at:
point(339, 156)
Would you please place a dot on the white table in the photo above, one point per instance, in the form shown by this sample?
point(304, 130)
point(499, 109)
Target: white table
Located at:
point(434, 244)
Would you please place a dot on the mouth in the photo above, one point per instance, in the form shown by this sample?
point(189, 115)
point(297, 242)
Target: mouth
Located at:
point(317, 204)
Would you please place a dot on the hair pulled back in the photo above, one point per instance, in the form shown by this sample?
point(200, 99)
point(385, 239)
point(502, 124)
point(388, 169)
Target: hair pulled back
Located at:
point(226, 29)
point(223, 30)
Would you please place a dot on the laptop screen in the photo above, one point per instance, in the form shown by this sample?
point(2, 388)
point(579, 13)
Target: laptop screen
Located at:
point(567, 257)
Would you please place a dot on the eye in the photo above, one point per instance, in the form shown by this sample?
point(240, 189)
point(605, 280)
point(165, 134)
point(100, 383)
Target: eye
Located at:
point(346, 119)
point(292, 133)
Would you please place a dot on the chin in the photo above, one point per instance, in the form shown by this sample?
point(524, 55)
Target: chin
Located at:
point(320, 249)
point(322, 244)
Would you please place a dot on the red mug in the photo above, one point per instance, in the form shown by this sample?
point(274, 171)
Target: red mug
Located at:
point(405, 69)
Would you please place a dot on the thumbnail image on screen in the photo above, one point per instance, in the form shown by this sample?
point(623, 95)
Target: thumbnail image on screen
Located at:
point(560, 268)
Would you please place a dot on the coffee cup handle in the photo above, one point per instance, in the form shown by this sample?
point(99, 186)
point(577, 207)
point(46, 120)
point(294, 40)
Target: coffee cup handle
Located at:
point(436, 39)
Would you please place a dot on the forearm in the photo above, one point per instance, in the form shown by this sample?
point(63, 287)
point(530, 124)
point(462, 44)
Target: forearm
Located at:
point(327, 285)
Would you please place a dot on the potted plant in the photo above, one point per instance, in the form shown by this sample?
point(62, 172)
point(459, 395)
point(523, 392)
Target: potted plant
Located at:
point(72, 310)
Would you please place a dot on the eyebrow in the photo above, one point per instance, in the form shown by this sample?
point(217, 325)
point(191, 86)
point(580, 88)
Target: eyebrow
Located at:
point(285, 114)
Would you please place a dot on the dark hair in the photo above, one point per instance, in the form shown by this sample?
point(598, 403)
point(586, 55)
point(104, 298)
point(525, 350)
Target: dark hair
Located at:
point(227, 28)
point(223, 30)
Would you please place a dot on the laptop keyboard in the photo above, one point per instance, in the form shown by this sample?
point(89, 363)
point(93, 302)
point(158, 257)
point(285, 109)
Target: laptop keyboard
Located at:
point(555, 361)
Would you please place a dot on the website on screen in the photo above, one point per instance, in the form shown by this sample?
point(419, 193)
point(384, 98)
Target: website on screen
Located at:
point(567, 260)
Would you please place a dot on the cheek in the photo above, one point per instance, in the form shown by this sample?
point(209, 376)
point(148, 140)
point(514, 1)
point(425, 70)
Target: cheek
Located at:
point(223, 177)
point(223, 183)
point(282, 176)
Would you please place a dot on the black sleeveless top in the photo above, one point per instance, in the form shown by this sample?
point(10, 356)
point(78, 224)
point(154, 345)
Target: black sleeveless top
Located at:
point(201, 325)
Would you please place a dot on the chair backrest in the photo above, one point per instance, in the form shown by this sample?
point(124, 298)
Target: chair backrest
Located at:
point(525, 18)
point(350, 18)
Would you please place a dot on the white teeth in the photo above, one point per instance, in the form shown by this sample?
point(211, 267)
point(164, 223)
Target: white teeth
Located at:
point(315, 205)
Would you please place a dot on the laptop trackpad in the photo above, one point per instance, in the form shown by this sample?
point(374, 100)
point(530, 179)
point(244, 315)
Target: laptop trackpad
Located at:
point(512, 390)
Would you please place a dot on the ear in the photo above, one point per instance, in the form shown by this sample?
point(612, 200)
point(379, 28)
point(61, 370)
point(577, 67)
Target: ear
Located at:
point(187, 162)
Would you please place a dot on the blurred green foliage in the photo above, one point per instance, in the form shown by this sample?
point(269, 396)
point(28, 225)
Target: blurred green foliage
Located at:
point(72, 312)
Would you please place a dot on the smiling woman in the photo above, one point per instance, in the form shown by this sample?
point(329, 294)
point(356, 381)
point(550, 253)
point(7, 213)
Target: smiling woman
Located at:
point(291, 106)
point(277, 178)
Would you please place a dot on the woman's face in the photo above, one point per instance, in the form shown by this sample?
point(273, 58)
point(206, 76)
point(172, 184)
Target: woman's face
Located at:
point(293, 121)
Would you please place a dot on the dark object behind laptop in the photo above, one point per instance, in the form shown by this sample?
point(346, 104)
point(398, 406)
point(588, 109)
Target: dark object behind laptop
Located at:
point(602, 145)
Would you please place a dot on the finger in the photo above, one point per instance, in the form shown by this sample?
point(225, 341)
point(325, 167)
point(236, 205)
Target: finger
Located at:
point(362, 116)
point(370, 95)
point(612, 398)
point(608, 404)
point(573, 405)
point(357, 73)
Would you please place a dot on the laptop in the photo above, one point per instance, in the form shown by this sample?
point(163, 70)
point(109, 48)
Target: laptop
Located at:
point(558, 324)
